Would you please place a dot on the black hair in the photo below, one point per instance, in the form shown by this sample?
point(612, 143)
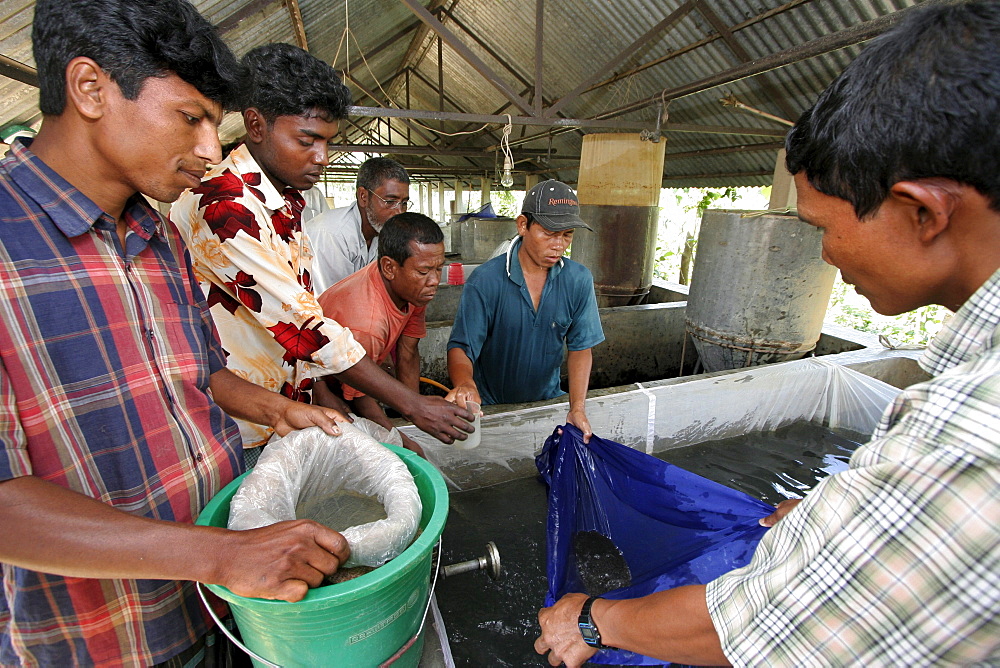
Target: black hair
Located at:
point(131, 40)
point(921, 101)
point(284, 80)
point(530, 217)
point(397, 233)
point(373, 172)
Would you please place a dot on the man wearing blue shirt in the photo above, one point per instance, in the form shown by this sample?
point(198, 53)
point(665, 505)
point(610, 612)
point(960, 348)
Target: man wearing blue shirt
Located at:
point(521, 309)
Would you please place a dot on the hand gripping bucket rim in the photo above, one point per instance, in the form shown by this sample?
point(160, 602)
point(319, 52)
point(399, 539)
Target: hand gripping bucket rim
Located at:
point(364, 621)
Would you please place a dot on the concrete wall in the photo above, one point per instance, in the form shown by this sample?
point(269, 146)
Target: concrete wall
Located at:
point(642, 343)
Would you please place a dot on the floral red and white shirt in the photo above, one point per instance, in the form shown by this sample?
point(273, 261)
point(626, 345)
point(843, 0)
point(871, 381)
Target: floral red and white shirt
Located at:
point(253, 261)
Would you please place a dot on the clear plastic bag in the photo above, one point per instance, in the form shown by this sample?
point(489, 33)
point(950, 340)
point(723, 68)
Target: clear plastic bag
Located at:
point(350, 472)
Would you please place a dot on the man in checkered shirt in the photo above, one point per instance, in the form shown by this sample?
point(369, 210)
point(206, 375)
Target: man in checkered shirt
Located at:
point(896, 561)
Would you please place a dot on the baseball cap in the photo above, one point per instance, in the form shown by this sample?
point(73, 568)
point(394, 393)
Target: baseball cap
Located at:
point(554, 204)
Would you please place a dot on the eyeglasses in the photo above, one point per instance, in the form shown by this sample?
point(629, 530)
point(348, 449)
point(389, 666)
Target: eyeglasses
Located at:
point(401, 204)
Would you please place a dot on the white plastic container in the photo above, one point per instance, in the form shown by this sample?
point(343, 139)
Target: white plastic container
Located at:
point(473, 440)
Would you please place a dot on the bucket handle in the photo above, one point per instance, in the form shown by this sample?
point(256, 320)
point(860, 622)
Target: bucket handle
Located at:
point(232, 638)
point(387, 662)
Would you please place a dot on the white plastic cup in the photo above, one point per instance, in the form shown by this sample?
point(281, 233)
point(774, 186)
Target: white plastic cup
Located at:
point(472, 441)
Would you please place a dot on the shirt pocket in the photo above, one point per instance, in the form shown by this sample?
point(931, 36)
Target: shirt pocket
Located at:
point(559, 329)
point(184, 351)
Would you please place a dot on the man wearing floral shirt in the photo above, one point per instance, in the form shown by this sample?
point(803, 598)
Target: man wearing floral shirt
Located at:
point(895, 561)
point(243, 228)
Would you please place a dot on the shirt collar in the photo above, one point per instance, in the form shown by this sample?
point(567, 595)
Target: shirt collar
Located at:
point(968, 331)
point(69, 209)
point(514, 271)
point(243, 164)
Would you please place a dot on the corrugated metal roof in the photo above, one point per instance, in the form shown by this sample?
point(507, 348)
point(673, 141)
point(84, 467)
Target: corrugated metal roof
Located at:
point(580, 38)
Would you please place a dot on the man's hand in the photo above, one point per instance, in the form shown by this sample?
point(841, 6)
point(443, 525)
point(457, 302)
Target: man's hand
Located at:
point(412, 445)
point(297, 415)
point(441, 419)
point(578, 418)
point(281, 561)
point(781, 510)
point(561, 633)
point(463, 394)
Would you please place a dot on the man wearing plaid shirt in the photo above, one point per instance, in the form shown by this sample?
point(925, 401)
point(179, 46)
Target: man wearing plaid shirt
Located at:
point(112, 379)
point(896, 561)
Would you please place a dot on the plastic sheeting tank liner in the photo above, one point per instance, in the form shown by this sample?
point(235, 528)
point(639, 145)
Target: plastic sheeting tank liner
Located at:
point(310, 464)
point(672, 527)
point(660, 416)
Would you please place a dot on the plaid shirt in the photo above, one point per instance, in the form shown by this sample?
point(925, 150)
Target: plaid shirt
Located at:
point(254, 264)
point(896, 561)
point(106, 358)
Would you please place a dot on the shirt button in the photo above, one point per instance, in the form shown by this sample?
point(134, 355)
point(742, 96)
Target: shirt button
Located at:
point(200, 457)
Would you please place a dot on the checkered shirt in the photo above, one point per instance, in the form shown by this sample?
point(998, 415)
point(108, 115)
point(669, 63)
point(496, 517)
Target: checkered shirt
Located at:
point(896, 561)
point(105, 359)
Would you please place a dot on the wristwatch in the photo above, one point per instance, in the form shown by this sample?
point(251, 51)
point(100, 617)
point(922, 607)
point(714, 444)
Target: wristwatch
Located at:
point(588, 629)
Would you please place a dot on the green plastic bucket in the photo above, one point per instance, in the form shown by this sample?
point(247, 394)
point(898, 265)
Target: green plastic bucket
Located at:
point(361, 622)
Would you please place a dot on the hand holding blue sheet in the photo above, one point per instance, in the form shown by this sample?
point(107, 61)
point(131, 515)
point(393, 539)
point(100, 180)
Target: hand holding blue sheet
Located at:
point(670, 527)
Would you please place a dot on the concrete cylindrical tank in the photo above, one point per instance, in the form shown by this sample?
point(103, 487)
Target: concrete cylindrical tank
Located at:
point(481, 236)
point(759, 289)
point(619, 189)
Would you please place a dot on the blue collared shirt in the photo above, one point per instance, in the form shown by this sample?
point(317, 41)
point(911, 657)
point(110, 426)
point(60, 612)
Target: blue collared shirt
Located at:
point(515, 350)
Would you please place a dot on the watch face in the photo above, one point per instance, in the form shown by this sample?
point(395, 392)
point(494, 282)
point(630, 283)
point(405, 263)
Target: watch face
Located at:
point(590, 635)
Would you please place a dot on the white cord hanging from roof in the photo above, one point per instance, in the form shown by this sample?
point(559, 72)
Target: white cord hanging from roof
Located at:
point(507, 179)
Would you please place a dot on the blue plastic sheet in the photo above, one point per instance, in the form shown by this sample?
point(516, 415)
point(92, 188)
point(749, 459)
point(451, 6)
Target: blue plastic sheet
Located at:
point(673, 527)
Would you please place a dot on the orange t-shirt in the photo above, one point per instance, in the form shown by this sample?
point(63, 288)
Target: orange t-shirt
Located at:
point(361, 303)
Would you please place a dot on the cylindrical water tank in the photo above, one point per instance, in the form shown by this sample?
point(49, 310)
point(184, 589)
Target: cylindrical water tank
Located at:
point(481, 236)
point(619, 189)
point(759, 289)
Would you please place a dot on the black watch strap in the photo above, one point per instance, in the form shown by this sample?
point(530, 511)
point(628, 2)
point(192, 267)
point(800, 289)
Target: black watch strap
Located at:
point(588, 629)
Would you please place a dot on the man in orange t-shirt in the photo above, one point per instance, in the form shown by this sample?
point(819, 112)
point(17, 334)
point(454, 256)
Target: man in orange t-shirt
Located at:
point(383, 304)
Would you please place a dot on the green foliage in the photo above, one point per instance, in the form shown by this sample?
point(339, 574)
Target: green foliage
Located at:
point(710, 196)
point(913, 328)
point(505, 203)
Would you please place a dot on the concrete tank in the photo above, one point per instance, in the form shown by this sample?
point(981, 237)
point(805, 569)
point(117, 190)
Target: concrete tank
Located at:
point(759, 289)
point(481, 236)
point(619, 189)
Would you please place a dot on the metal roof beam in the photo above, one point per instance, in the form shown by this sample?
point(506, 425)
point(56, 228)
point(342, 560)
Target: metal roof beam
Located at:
point(352, 170)
point(462, 50)
point(658, 30)
point(539, 22)
point(570, 123)
point(420, 76)
point(724, 150)
point(18, 71)
point(384, 44)
point(298, 27)
point(697, 44)
point(416, 128)
point(817, 47)
point(428, 150)
point(727, 175)
point(744, 56)
point(856, 34)
point(412, 57)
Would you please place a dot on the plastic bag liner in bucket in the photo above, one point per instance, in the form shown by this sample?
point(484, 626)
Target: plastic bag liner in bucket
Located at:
point(350, 483)
point(361, 622)
point(672, 527)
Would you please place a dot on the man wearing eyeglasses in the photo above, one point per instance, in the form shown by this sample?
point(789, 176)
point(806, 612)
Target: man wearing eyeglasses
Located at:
point(345, 240)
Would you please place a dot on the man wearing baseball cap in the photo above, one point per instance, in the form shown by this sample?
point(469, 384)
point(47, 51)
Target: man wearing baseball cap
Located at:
point(521, 309)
